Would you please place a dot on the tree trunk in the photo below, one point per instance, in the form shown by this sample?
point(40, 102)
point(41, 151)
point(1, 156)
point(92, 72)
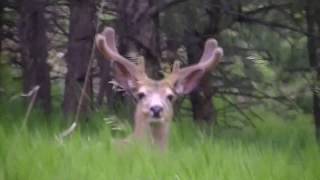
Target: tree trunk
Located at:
point(313, 25)
point(202, 103)
point(201, 99)
point(137, 30)
point(81, 36)
point(316, 110)
point(32, 33)
point(1, 40)
point(1, 24)
point(105, 87)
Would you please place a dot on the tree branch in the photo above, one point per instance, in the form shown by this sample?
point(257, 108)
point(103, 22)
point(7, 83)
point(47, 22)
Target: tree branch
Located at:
point(243, 18)
point(163, 5)
point(250, 95)
point(240, 111)
point(267, 8)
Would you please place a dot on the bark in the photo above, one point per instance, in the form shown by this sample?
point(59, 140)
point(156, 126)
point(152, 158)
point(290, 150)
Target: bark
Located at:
point(1, 40)
point(313, 25)
point(316, 110)
point(202, 104)
point(81, 36)
point(138, 30)
point(1, 24)
point(202, 98)
point(32, 34)
point(105, 87)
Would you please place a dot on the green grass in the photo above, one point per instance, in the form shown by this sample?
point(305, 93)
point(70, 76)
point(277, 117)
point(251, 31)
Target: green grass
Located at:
point(277, 149)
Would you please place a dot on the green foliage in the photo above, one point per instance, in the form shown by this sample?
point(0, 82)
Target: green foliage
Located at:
point(275, 150)
point(10, 84)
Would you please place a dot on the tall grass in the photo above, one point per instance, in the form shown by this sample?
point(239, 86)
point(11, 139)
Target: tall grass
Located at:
point(276, 149)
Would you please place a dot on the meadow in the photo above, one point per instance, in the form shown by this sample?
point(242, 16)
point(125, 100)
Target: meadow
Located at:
point(275, 149)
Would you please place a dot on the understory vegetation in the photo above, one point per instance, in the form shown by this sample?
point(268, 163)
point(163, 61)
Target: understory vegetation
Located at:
point(275, 149)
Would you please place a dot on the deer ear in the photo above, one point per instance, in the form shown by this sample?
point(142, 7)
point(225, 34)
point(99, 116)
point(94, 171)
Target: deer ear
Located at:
point(189, 82)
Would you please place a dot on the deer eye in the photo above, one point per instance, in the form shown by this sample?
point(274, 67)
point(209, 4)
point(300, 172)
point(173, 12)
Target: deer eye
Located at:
point(141, 95)
point(170, 97)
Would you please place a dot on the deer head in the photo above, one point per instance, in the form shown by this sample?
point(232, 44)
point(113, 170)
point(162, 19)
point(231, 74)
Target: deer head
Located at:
point(155, 98)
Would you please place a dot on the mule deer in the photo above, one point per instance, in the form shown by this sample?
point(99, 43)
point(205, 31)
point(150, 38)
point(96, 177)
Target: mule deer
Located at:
point(155, 98)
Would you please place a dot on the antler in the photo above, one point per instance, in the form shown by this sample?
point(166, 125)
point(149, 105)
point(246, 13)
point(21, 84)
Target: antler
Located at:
point(127, 74)
point(125, 70)
point(209, 60)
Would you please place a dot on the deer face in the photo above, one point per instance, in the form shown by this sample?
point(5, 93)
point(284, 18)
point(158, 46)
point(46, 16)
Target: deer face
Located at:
point(155, 98)
point(155, 101)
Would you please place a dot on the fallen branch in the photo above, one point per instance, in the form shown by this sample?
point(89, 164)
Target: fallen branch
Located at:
point(33, 92)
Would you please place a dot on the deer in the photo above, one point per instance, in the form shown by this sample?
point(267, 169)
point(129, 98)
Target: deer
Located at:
point(155, 98)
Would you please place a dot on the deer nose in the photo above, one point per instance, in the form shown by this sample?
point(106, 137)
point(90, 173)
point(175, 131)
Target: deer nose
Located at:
point(156, 110)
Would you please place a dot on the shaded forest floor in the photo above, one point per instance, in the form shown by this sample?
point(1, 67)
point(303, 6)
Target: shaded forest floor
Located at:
point(276, 149)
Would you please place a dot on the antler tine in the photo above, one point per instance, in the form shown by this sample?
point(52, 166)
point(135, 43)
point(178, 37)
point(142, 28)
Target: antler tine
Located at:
point(211, 54)
point(176, 66)
point(209, 47)
point(209, 59)
point(109, 34)
point(141, 64)
point(106, 43)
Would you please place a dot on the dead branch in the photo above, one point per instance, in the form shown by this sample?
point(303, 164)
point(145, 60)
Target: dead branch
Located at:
point(33, 92)
point(164, 5)
point(250, 95)
point(249, 120)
